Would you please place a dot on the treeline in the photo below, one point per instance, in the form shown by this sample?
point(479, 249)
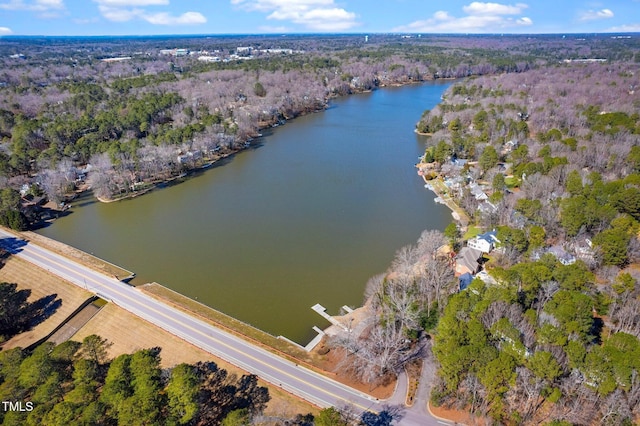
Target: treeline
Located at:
point(536, 348)
point(10, 214)
point(553, 335)
point(153, 117)
point(73, 383)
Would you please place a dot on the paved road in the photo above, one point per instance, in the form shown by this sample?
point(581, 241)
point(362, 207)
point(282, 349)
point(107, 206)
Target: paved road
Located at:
point(276, 370)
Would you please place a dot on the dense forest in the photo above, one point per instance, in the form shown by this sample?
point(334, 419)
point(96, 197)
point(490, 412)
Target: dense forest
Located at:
point(74, 383)
point(553, 334)
point(120, 115)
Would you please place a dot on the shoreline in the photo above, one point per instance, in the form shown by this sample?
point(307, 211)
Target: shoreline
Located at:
point(169, 181)
point(437, 186)
point(244, 144)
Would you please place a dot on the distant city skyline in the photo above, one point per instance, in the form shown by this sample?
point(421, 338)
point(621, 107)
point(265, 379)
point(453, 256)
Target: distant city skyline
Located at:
point(157, 17)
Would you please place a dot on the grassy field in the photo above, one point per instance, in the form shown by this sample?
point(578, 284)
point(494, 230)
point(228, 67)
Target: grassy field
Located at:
point(472, 231)
point(42, 284)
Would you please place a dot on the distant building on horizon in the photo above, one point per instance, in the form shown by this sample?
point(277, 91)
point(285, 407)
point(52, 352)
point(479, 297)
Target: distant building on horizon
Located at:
point(118, 59)
point(174, 52)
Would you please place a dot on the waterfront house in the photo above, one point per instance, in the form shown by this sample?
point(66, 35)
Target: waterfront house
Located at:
point(468, 261)
point(484, 242)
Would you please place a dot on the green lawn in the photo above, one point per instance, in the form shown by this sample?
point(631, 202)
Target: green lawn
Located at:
point(472, 231)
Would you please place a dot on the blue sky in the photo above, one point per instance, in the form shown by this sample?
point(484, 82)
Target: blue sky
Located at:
point(146, 17)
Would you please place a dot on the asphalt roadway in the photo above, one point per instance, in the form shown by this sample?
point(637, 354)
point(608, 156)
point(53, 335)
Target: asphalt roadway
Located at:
point(295, 379)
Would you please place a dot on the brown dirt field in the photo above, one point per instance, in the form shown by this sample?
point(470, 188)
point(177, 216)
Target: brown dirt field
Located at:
point(41, 283)
point(128, 333)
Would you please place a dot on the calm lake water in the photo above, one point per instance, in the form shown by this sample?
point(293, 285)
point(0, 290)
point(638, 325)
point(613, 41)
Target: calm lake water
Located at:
point(306, 217)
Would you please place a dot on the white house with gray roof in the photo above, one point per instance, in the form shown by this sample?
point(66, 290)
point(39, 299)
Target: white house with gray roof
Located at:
point(484, 242)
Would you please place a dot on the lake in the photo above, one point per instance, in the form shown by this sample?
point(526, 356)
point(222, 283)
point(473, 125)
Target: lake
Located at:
point(305, 216)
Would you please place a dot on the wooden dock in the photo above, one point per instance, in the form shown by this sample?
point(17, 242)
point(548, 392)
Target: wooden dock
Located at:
point(323, 312)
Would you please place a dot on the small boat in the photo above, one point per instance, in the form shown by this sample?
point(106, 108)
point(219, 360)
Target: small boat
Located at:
point(438, 200)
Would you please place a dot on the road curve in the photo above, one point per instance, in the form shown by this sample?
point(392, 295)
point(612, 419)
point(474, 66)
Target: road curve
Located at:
point(298, 380)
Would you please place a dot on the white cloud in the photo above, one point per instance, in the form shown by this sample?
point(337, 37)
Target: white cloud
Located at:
point(116, 14)
point(132, 3)
point(267, 5)
point(187, 18)
point(479, 8)
point(5, 31)
point(592, 15)
point(524, 21)
point(480, 18)
point(127, 10)
point(317, 15)
point(33, 6)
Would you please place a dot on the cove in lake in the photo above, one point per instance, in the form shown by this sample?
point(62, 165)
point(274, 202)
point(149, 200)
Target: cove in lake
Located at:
point(306, 216)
